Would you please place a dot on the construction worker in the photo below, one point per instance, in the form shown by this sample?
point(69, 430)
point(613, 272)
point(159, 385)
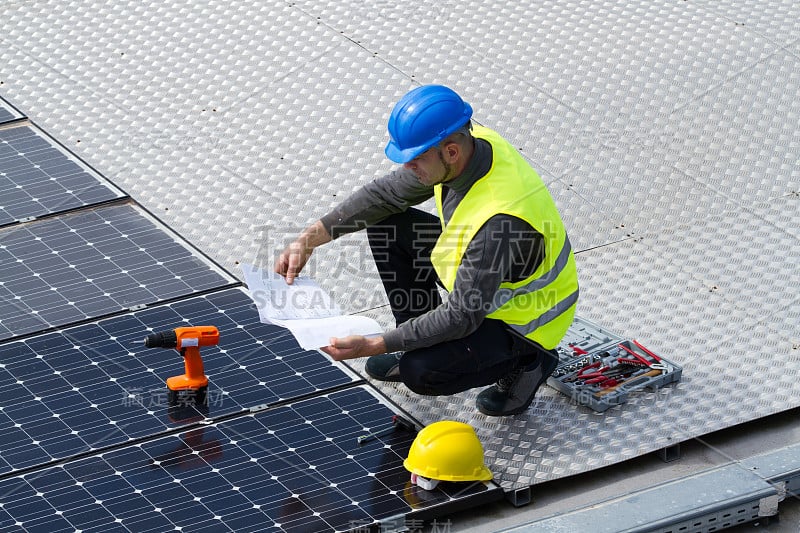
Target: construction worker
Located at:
point(498, 247)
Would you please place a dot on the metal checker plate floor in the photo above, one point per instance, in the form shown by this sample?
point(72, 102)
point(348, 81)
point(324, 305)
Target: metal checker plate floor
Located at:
point(293, 468)
point(95, 386)
point(646, 120)
point(38, 177)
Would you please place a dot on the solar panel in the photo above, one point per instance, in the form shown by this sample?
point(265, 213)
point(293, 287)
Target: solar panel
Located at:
point(293, 468)
point(38, 177)
point(89, 263)
point(95, 385)
point(8, 113)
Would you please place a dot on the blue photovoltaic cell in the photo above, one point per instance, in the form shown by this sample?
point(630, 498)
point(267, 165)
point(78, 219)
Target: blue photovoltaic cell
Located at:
point(87, 264)
point(37, 178)
point(8, 113)
point(293, 468)
point(96, 385)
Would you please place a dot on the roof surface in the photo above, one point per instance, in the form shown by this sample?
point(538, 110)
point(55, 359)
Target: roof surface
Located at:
point(666, 131)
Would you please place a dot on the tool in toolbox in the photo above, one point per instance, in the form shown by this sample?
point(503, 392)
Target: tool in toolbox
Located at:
point(397, 422)
point(578, 350)
point(599, 369)
point(192, 385)
point(629, 382)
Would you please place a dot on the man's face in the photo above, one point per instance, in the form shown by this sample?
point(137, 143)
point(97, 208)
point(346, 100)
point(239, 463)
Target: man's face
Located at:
point(430, 167)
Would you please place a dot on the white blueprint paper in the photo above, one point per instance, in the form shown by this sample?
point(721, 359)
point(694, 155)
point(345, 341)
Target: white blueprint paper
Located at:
point(306, 310)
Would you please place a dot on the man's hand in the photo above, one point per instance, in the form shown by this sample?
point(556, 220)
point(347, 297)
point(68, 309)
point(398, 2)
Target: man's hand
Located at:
point(354, 346)
point(296, 255)
point(292, 260)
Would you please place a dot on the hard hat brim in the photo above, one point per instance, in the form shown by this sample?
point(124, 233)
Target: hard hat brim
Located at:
point(483, 475)
point(395, 154)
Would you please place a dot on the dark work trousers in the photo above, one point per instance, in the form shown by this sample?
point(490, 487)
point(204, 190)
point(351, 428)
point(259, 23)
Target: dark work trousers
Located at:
point(401, 247)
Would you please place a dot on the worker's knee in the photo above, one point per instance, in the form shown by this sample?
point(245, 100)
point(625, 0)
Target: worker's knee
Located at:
point(420, 378)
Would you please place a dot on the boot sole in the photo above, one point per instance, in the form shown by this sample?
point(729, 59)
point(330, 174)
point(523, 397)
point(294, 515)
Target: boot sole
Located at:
point(521, 409)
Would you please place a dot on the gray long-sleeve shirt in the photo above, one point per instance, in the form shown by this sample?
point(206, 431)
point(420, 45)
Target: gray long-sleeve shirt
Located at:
point(506, 248)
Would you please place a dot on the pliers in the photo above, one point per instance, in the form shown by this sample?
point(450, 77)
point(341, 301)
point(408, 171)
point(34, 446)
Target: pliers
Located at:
point(657, 365)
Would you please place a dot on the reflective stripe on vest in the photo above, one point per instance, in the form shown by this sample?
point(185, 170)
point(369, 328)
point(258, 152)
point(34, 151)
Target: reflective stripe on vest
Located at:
point(503, 295)
point(551, 314)
point(542, 306)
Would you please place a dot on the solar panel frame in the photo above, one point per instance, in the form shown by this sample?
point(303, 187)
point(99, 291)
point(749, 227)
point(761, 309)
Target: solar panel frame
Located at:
point(90, 263)
point(40, 177)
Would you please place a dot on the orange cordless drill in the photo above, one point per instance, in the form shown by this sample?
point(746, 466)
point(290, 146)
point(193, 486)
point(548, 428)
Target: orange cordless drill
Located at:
point(187, 341)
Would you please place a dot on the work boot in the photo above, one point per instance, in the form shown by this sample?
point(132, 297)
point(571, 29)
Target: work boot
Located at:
point(514, 392)
point(384, 367)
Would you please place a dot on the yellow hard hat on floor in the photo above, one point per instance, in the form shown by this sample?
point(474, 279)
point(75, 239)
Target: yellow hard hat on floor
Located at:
point(447, 451)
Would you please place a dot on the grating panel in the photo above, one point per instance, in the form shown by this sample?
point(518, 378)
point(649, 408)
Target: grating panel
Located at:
point(88, 264)
point(95, 385)
point(37, 177)
point(293, 468)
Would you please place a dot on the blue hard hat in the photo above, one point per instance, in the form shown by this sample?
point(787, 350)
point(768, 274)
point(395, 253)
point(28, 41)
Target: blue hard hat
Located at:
point(423, 118)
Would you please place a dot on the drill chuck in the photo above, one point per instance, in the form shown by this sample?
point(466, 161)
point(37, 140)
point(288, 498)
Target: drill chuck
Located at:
point(162, 339)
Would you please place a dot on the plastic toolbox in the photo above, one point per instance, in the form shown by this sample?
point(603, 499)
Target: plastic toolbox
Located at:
point(599, 369)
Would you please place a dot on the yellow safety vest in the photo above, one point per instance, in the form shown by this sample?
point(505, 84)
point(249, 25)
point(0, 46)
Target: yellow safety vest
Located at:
point(542, 306)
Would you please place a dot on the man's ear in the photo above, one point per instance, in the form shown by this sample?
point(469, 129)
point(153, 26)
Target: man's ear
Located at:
point(451, 152)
